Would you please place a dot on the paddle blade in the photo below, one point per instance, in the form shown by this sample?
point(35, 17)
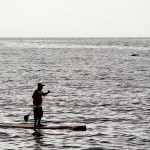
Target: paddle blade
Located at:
point(26, 117)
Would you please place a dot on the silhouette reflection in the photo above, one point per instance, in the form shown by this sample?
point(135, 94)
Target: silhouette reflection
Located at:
point(38, 136)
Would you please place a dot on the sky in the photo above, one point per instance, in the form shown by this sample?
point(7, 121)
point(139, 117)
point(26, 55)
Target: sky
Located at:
point(74, 18)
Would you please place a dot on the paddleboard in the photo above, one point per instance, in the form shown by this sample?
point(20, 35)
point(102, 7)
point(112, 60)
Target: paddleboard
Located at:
point(27, 126)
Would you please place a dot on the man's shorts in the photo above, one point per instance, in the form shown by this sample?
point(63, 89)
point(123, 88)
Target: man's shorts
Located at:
point(38, 112)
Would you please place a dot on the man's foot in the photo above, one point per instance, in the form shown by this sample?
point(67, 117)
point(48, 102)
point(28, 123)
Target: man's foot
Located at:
point(41, 125)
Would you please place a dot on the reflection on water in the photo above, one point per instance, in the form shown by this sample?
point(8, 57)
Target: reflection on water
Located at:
point(38, 136)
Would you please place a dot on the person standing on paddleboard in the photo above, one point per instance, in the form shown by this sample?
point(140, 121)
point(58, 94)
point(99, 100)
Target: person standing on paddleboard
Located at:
point(37, 103)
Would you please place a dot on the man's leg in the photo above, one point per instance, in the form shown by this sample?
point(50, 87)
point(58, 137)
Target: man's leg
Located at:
point(40, 115)
point(35, 115)
point(39, 121)
point(35, 120)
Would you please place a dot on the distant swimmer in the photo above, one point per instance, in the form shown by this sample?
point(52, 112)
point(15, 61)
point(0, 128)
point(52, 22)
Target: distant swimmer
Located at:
point(37, 103)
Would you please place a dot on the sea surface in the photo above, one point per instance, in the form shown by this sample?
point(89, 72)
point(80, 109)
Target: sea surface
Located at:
point(93, 81)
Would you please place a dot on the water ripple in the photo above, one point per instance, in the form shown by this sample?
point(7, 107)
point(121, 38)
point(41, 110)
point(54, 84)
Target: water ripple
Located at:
point(94, 82)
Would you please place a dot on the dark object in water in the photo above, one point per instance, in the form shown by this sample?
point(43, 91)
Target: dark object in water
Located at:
point(134, 55)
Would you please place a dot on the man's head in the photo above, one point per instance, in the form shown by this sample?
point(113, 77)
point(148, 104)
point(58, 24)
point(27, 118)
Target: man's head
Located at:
point(40, 86)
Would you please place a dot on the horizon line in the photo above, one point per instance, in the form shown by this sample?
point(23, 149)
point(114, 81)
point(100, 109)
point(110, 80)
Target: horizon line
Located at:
point(74, 37)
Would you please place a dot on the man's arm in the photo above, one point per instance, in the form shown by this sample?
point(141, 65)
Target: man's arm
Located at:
point(44, 94)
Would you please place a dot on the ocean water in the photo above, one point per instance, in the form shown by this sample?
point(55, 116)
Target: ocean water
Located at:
point(93, 81)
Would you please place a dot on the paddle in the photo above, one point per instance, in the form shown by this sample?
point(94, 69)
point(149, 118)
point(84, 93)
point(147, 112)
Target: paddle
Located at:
point(26, 117)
